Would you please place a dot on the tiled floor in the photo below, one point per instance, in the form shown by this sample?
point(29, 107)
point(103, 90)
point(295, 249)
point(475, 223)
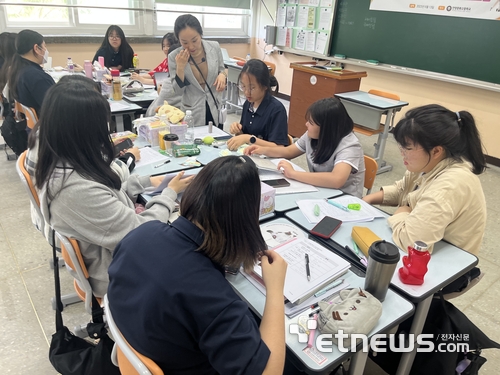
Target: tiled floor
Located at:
point(26, 281)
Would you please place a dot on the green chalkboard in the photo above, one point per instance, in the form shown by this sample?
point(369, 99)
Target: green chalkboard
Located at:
point(463, 47)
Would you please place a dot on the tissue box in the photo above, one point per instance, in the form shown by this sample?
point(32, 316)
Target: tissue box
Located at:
point(267, 197)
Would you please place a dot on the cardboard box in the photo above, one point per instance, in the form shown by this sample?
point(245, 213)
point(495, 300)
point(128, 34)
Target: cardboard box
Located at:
point(267, 197)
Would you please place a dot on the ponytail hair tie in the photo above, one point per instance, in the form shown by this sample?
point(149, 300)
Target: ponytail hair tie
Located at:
point(459, 119)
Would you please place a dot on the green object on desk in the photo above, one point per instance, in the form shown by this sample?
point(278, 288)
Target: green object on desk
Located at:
point(354, 206)
point(317, 210)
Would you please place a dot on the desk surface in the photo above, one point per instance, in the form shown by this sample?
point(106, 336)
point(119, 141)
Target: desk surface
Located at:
point(375, 101)
point(395, 310)
point(145, 96)
point(447, 262)
point(122, 106)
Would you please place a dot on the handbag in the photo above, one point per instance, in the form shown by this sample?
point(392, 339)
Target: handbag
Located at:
point(222, 110)
point(72, 355)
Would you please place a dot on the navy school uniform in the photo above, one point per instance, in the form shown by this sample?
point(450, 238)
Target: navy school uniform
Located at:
point(174, 305)
point(33, 85)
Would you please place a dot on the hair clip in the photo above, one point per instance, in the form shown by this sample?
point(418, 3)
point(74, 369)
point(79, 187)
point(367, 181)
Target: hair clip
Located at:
point(458, 117)
point(243, 159)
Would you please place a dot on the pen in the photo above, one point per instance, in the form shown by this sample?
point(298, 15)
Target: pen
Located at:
point(338, 205)
point(361, 255)
point(329, 287)
point(311, 314)
point(163, 163)
point(308, 272)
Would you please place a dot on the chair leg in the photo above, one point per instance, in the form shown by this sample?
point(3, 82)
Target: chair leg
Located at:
point(81, 331)
point(67, 299)
point(61, 263)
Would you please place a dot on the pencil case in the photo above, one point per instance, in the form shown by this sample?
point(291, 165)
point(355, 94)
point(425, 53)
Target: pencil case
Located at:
point(364, 238)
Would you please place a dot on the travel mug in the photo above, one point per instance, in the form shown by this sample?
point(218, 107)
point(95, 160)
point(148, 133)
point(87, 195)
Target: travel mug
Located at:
point(382, 261)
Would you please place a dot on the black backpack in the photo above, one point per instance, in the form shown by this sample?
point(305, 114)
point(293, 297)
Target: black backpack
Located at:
point(14, 132)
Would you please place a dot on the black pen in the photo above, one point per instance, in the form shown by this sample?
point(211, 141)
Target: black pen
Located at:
point(163, 163)
point(308, 272)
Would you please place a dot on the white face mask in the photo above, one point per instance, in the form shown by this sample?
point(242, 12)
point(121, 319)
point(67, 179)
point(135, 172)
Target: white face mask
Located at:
point(45, 56)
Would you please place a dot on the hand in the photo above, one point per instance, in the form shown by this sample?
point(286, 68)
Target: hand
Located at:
point(156, 180)
point(253, 149)
point(273, 271)
point(220, 82)
point(158, 89)
point(137, 77)
point(182, 58)
point(179, 184)
point(237, 141)
point(136, 152)
point(286, 168)
point(401, 209)
point(235, 128)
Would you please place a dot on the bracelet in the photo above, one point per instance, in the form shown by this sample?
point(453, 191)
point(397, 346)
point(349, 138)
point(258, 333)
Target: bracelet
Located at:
point(223, 72)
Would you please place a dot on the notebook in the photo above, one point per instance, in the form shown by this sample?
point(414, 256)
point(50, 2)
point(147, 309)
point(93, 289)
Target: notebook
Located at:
point(264, 164)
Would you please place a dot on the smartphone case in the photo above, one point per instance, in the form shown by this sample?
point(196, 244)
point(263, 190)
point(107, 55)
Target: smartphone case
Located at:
point(326, 236)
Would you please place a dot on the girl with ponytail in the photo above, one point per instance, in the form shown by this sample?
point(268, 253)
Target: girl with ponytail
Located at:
point(440, 195)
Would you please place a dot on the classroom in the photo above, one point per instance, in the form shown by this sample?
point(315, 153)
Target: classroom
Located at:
point(76, 30)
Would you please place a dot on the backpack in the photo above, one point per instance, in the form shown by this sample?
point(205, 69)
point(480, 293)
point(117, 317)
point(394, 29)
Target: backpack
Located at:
point(14, 132)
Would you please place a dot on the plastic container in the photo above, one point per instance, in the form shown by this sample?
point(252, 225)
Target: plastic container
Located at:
point(70, 65)
point(180, 130)
point(210, 126)
point(101, 61)
point(87, 66)
point(415, 264)
point(117, 85)
point(169, 139)
point(180, 149)
point(248, 57)
point(135, 61)
point(189, 121)
point(382, 262)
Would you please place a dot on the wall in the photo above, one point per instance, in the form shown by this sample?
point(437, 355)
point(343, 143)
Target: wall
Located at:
point(483, 104)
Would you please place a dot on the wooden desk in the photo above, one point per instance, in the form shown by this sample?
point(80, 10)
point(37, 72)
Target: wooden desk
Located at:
point(310, 84)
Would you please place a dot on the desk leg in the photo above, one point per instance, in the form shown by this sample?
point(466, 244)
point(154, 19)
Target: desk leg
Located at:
point(416, 328)
point(380, 145)
point(358, 361)
point(119, 123)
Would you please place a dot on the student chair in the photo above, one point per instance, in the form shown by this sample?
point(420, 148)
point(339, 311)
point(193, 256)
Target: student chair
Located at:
point(124, 356)
point(28, 112)
point(371, 168)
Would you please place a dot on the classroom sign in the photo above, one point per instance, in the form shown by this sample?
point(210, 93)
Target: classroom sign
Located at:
point(482, 9)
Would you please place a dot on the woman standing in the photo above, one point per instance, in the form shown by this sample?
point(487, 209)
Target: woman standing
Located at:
point(197, 71)
point(440, 195)
point(115, 49)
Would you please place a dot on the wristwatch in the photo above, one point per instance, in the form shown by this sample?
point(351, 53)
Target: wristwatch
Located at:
point(253, 139)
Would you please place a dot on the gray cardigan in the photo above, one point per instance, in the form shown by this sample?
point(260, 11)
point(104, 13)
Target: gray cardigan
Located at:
point(193, 95)
point(98, 217)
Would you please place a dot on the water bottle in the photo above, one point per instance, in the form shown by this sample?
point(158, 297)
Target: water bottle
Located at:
point(382, 261)
point(415, 264)
point(117, 85)
point(248, 57)
point(87, 66)
point(70, 66)
point(189, 120)
point(135, 61)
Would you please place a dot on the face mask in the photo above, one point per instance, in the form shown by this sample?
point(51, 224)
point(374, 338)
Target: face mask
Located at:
point(45, 56)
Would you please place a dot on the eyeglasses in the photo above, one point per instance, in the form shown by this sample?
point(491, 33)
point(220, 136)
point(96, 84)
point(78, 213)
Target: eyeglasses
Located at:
point(244, 89)
point(115, 37)
point(404, 151)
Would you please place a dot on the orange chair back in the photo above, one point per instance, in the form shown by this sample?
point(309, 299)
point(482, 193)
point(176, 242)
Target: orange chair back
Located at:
point(28, 112)
point(126, 368)
point(371, 168)
point(22, 168)
point(78, 253)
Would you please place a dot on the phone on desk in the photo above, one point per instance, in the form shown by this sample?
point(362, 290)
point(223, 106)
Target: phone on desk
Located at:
point(129, 94)
point(123, 145)
point(278, 183)
point(223, 137)
point(326, 227)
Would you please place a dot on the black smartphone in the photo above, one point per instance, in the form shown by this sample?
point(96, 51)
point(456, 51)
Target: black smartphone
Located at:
point(223, 138)
point(129, 94)
point(326, 227)
point(278, 183)
point(231, 270)
point(123, 145)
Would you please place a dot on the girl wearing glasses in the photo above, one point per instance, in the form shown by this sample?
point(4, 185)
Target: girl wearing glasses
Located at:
point(334, 154)
point(115, 49)
point(263, 119)
point(440, 195)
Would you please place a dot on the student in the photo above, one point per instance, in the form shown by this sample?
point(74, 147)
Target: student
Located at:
point(28, 83)
point(115, 49)
point(168, 40)
point(85, 194)
point(166, 93)
point(334, 154)
point(197, 62)
point(171, 300)
point(263, 119)
point(440, 195)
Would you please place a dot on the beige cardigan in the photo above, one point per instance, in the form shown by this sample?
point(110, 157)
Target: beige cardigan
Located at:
point(447, 203)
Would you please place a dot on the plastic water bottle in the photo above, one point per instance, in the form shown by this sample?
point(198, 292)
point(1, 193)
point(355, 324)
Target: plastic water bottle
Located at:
point(135, 61)
point(189, 120)
point(415, 264)
point(248, 57)
point(87, 65)
point(70, 65)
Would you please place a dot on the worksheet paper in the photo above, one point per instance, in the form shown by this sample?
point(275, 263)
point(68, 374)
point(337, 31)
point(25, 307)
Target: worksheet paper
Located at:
point(366, 213)
point(281, 36)
point(290, 15)
point(300, 43)
point(310, 40)
point(321, 40)
point(281, 19)
point(149, 156)
point(326, 3)
point(325, 18)
point(303, 17)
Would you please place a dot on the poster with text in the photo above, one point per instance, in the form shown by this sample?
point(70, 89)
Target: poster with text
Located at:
point(485, 9)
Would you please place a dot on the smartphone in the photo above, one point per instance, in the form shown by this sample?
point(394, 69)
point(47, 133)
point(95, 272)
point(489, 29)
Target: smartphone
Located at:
point(326, 227)
point(278, 183)
point(123, 145)
point(129, 94)
point(223, 137)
